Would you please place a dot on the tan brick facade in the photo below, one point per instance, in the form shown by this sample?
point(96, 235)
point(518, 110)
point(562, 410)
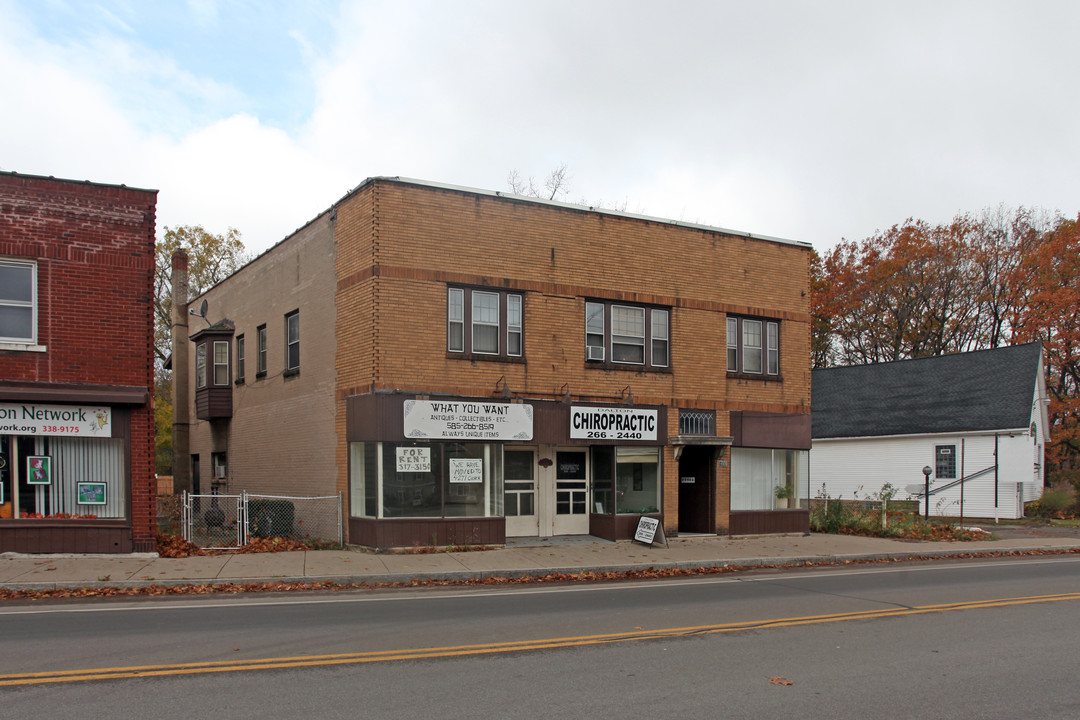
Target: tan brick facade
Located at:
point(393, 248)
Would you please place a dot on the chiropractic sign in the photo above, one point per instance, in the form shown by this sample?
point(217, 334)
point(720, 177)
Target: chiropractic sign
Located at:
point(612, 423)
point(40, 419)
point(471, 420)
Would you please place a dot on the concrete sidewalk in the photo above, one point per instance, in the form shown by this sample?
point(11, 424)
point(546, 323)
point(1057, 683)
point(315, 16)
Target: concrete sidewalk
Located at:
point(517, 559)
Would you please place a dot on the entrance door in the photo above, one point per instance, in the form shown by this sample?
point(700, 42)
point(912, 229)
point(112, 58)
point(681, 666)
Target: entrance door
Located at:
point(695, 491)
point(571, 493)
point(546, 491)
point(519, 493)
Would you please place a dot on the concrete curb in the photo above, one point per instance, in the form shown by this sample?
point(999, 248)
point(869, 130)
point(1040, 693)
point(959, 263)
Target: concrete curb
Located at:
point(452, 576)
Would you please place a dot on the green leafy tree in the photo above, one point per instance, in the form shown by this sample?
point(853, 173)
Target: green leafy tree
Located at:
point(211, 259)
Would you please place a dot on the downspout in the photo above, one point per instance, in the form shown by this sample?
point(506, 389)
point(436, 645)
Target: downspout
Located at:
point(180, 381)
point(995, 478)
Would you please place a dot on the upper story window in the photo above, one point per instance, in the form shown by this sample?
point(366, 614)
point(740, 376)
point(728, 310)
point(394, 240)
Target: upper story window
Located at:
point(221, 362)
point(239, 358)
point(622, 334)
point(212, 363)
point(260, 333)
point(18, 302)
point(753, 346)
point(200, 365)
point(485, 323)
point(292, 341)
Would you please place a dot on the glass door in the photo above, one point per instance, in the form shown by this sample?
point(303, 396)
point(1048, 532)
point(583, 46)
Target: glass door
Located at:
point(571, 493)
point(519, 493)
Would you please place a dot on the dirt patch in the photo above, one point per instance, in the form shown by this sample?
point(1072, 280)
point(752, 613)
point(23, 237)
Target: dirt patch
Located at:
point(1013, 532)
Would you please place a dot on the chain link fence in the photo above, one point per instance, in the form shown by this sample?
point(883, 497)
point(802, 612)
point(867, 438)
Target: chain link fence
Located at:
point(231, 521)
point(299, 518)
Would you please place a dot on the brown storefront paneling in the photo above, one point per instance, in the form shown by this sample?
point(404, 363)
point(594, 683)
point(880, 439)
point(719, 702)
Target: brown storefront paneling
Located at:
point(617, 527)
point(769, 522)
point(407, 532)
point(74, 536)
point(770, 430)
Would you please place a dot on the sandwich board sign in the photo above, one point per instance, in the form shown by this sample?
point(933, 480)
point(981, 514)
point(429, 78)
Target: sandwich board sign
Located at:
point(647, 530)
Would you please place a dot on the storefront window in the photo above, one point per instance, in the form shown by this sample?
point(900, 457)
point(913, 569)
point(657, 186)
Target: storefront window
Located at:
point(637, 480)
point(62, 477)
point(432, 480)
point(364, 498)
point(763, 479)
point(603, 467)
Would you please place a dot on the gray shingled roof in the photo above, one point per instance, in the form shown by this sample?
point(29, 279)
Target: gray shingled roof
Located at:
point(981, 390)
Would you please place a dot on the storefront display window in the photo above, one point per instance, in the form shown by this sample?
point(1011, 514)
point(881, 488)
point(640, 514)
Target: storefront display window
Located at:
point(62, 477)
point(426, 480)
point(764, 479)
point(603, 468)
point(637, 480)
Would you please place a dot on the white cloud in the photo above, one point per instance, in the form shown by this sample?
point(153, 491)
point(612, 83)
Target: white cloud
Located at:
point(805, 121)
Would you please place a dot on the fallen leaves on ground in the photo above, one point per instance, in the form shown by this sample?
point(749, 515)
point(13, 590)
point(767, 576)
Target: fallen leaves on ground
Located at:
point(649, 573)
point(780, 681)
point(174, 546)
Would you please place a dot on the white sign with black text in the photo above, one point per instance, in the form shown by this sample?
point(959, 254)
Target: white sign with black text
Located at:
point(612, 423)
point(414, 459)
point(646, 530)
point(41, 419)
point(458, 420)
point(466, 470)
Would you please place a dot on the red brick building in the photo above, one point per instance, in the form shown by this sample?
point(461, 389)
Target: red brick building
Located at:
point(76, 366)
point(467, 366)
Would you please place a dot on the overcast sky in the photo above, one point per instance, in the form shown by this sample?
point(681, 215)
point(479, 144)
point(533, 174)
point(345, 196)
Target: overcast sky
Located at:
point(811, 121)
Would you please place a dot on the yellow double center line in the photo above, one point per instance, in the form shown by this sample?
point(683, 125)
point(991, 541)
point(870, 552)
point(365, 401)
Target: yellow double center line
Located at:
point(301, 661)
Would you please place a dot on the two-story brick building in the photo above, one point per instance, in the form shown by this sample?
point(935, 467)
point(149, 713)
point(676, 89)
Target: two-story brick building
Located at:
point(76, 366)
point(467, 365)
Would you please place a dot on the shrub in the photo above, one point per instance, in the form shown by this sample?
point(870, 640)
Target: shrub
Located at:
point(1056, 501)
point(271, 518)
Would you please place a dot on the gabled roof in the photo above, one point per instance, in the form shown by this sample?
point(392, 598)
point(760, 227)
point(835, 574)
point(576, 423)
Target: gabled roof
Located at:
point(981, 390)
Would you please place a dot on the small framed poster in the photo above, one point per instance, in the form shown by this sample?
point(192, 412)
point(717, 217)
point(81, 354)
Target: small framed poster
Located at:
point(38, 470)
point(91, 493)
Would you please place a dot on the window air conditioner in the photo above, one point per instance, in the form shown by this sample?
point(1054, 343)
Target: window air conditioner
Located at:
point(595, 353)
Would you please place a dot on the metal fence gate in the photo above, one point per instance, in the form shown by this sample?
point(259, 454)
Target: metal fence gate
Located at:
point(213, 521)
point(230, 521)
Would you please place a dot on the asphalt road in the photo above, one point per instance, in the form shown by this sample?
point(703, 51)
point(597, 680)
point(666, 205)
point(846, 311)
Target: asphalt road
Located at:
point(945, 639)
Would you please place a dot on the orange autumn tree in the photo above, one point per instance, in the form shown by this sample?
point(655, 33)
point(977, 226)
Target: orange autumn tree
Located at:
point(981, 281)
point(1050, 272)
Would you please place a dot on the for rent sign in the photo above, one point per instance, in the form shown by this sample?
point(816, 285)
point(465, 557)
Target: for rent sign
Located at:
point(38, 419)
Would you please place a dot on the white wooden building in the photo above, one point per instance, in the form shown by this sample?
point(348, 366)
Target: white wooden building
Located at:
point(978, 420)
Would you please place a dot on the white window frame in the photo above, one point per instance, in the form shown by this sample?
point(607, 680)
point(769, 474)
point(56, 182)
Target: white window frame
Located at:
point(497, 324)
point(750, 328)
point(739, 347)
point(32, 304)
point(240, 343)
point(655, 337)
point(462, 321)
point(772, 348)
point(455, 320)
point(200, 366)
point(292, 319)
point(624, 338)
point(221, 366)
point(514, 317)
point(733, 344)
point(260, 367)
